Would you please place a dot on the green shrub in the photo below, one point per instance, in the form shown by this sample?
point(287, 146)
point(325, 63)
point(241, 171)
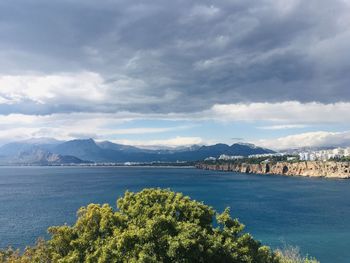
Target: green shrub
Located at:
point(292, 255)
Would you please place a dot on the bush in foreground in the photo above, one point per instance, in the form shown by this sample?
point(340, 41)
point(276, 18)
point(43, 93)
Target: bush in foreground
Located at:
point(153, 225)
point(292, 255)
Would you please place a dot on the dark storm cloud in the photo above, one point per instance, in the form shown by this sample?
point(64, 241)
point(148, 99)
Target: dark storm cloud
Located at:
point(180, 56)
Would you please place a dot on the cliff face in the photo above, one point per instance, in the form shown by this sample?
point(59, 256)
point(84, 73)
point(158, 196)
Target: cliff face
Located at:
point(307, 168)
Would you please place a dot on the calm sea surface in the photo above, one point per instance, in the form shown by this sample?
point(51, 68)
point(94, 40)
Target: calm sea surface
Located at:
point(313, 214)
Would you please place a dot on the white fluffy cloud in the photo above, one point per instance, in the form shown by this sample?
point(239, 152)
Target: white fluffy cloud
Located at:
point(285, 112)
point(84, 91)
point(309, 139)
point(49, 88)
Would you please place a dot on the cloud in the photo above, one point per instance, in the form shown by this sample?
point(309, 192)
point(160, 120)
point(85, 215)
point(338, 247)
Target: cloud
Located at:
point(45, 89)
point(202, 12)
point(93, 65)
point(78, 92)
point(289, 114)
point(161, 57)
point(309, 139)
point(67, 126)
point(282, 127)
point(292, 112)
point(277, 116)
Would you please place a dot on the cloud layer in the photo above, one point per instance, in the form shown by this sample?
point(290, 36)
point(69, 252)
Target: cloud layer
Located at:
point(310, 139)
point(178, 56)
point(104, 126)
point(290, 112)
point(81, 68)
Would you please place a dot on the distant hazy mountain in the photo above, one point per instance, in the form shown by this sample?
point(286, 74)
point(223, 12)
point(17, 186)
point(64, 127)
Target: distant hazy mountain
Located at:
point(42, 157)
point(14, 148)
point(218, 149)
point(38, 156)
point(118, 147)
point(77, 151)
point(83, 149)
point(105, 152)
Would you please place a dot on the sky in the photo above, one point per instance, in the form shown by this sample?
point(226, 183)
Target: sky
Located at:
point(173, 73)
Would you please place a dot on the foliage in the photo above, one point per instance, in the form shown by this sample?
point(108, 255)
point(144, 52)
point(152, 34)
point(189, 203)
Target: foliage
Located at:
point(292, 255)
point(153, 225)
point(39, 253)
point(340, 159)
point(255, 160)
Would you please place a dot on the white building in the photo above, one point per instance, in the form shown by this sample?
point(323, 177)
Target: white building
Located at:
point(210, 159)
point(229, 157)
point(324, 155)
point(265, 155)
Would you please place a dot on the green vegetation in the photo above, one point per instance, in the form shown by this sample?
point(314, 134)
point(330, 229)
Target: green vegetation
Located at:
point(153, 225)
point(340, 159)
point(292, 255)
point(257, 160)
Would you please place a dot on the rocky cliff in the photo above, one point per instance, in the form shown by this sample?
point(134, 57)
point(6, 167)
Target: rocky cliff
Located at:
point(308, 168)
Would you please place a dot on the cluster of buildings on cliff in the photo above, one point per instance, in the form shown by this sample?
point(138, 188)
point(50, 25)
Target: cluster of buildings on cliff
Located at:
point(224, 157)
point(324, 155)
point(304, 155)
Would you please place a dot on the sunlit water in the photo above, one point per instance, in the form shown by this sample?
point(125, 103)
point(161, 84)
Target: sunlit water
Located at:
point(313, 214)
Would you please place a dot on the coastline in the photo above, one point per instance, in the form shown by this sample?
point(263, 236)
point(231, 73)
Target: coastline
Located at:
point(328, 169)
point(100, 166)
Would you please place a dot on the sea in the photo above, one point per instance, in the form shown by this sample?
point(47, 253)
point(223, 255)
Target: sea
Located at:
point(310, 213)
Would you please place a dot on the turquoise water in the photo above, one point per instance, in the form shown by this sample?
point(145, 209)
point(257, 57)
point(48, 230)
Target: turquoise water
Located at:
point(313, 214)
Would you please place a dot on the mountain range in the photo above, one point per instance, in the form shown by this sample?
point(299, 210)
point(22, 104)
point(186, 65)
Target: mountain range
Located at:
point(48, 151)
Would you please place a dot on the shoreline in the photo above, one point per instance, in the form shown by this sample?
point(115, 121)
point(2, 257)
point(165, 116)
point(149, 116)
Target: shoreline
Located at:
point(98, 166)
point(316, 169)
